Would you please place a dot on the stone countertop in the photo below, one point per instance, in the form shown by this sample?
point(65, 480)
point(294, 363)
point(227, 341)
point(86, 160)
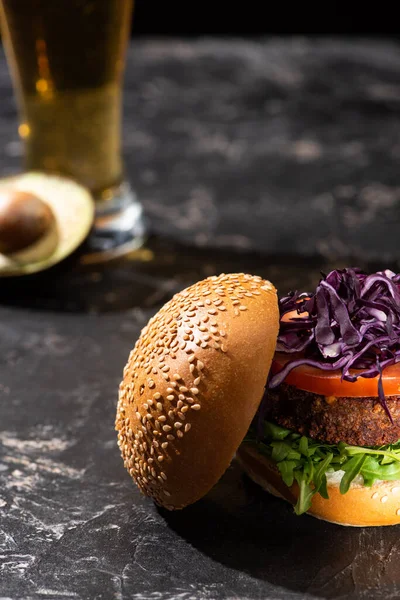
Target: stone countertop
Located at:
point(253, 153)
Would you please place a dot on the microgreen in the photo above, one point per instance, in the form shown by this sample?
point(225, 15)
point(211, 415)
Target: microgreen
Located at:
point(307, 461)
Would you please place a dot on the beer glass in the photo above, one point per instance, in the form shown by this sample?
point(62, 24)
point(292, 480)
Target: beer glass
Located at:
point(67, 62)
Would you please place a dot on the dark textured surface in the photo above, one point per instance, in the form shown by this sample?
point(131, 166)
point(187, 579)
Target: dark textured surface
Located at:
point(229, 145)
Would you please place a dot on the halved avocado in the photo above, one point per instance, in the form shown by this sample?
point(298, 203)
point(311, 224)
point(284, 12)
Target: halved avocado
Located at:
point(66, 226)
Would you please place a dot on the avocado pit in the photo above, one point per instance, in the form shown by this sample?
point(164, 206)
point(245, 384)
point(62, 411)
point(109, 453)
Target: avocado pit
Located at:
point(24, 219)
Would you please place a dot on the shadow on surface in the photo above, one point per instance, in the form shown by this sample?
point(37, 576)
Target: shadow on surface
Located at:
point(150, 276)
point(240, 526)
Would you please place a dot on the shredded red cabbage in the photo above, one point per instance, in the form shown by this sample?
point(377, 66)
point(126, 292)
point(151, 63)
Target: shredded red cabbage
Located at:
point(352, 321)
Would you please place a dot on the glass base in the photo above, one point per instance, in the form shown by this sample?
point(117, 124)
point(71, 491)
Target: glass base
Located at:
point(118, 228)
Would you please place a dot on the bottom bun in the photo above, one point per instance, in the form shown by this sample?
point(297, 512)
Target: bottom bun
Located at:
point(360, 507)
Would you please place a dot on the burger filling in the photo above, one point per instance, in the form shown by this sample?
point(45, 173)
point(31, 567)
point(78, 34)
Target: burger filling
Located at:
point(311, 462)
point(351, 324)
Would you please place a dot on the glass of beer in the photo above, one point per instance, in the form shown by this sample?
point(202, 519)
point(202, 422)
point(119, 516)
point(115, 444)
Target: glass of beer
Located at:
point(67, 61)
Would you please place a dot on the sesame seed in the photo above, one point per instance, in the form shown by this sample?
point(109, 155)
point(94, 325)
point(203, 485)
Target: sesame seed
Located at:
point(160, 458)
point(184, 409)
point(170, 437)
point(145, 406)
point(162, 418)
point(165, 376)
point(179, 433)
point(196, 406)
point(181, 397)
point(212, 311)
point(398, 512)
point(191, 368)
point(164, 445)
point(395, 489)
point(165, 369)
point(170, 390)
point(192, 358)
point(166, 493)
point(237, 313)
point(154, 370)
point(177, 377)
point(204, 345)
point(186, 337)
point(181, 415)
point(183, 389)
point(182, 346)
point(150, 460)
point(197, 381)
point(384, 499)
point(163, 475)
point(177, 425)
point(157, 396)
point(223, 348)
point(167, 428)
point(242, 307)
point(200, 365)
point(190, 400)
point(159, 406)
point(138, 416)
point(194, 391)
point(149, 416)
point(171, 414)
point(151, 383)
point(179, 404)
point(160, 479)
point(150, 402)
point(155, 444)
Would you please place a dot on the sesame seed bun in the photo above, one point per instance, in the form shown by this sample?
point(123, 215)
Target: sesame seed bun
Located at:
point(361, 506)
point(193, 383)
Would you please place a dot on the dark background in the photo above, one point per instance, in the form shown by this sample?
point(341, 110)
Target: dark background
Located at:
point(253, 18)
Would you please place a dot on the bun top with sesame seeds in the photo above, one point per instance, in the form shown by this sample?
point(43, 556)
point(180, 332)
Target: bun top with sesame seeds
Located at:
point(193, 383)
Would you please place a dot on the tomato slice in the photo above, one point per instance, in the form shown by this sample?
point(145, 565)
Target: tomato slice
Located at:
point(328, 383)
